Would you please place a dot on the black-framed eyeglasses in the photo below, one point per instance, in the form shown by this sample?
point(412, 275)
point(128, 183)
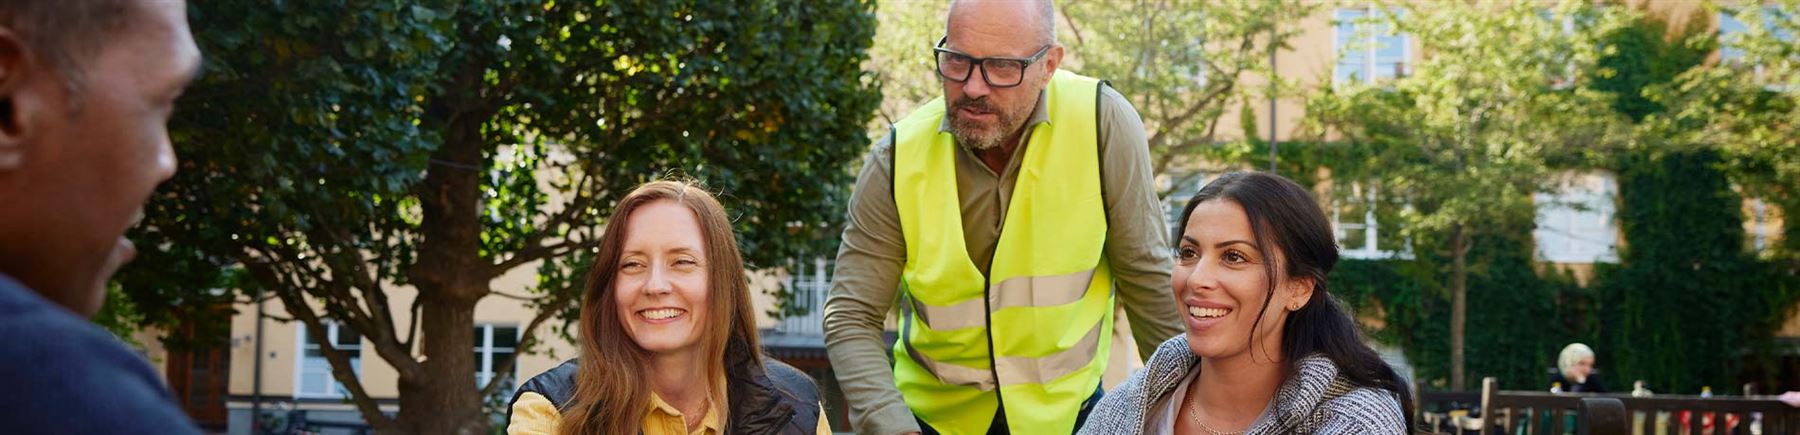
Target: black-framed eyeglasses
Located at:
point(999, 72)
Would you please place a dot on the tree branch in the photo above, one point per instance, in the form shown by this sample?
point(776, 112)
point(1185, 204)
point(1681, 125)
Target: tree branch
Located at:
point(534, 247)
point(1073, 28)
point(528, 338)
point(1207, 100)
point(412, 323)
point(341, 369)
point(516, 297)
point(338, 299)
point(534, 253)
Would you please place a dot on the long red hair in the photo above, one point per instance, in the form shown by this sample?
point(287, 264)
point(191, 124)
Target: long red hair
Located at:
point(611, 392)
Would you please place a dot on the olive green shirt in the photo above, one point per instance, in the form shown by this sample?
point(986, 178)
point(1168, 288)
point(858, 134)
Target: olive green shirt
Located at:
point(867, 279)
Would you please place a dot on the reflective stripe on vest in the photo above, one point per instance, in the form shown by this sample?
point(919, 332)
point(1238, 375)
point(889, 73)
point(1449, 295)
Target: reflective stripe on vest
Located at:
point(1034, 333)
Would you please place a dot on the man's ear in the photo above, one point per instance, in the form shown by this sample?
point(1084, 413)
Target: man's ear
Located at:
point(1300, 292)
point(16, 65)
point(1052, 61)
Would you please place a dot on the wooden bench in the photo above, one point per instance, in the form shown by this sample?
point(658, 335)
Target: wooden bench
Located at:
point(1537, 412)
point(1441, 411)
point(1727, 415)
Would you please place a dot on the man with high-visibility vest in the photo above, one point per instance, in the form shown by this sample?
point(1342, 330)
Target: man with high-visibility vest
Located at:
point(997, 219)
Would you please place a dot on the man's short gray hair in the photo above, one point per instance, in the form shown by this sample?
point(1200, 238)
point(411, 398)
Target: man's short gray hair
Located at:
point(1045, 10)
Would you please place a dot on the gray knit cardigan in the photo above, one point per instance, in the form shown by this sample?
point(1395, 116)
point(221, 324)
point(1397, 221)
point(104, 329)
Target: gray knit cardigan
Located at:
point(1314, 401)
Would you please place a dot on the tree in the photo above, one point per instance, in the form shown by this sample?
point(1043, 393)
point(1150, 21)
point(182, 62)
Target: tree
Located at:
point(1687, 293)
point(1747, 108)
point(1725, 131)
point(901, 58)
point(1183, 64)
point(1468, 139)
point(339, 149)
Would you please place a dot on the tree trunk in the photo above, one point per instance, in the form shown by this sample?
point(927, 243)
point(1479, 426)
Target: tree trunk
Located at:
point(1459, 304)
point(451, 275)
point(445, 399)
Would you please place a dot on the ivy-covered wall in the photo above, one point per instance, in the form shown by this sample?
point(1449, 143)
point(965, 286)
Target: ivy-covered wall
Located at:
point(1688, 305)
point(1518, 318)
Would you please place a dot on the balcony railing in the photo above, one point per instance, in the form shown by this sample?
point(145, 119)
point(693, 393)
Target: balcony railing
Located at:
point(810, 281)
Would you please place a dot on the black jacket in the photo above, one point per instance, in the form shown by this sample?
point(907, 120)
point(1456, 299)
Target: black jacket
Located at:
point(776, 400)
point(1593, 384)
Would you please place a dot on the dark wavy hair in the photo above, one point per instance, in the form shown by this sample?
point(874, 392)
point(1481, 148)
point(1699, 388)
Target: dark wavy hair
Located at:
point(1284, 214)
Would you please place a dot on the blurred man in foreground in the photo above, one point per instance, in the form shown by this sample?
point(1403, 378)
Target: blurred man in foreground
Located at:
point(86, 90)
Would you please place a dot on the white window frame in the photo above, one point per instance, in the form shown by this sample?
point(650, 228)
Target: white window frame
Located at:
point(1567, 26)
point(1371, 226)
point(810, 282)
point(1602, 202)
point(1762, 228)
point(484, 346)
point(338, 391)
point(1370, 57)
point(1178, 196)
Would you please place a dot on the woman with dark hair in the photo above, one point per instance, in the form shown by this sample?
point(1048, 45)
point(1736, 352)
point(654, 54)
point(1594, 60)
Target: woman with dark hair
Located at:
point(1267, 349)
point(668, 338)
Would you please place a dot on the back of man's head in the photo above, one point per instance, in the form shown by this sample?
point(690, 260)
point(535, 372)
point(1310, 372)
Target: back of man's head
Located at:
point(86, 89)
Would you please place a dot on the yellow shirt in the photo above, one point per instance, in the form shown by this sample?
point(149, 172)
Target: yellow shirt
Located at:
point(664, 419)
point(533, 414)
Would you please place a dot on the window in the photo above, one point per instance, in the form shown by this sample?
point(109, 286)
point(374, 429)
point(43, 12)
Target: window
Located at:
point(1763, 226)
point(1181, 187)
point(1575, 224)
point(802, 312)
point(1564, 26)
point(1359, 230)
point(1191, 60)
point(313, 377)
point(1368, 47)
point(1729, 26)
point(494, 346)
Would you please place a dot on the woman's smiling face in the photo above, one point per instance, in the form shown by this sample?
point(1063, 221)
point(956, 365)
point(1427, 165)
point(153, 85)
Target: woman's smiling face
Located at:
point(662, 278)
point(1220, 282)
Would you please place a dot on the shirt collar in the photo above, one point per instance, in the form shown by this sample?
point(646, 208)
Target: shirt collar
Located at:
point(711, 421)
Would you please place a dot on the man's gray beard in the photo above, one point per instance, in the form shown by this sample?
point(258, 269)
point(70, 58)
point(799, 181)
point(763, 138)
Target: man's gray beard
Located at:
point(977, 141)
point(974, 141)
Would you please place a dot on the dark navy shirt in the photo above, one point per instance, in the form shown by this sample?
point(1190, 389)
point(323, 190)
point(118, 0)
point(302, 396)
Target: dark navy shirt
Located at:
point(60, 374)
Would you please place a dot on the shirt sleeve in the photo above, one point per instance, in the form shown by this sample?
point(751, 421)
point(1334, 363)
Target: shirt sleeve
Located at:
point(1363, 411)
point(863, 289)
point(1137, 237)
point(533, 414)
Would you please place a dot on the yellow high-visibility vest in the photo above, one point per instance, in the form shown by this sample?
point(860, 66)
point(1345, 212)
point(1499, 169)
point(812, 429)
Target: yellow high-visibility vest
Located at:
point(1032, 336)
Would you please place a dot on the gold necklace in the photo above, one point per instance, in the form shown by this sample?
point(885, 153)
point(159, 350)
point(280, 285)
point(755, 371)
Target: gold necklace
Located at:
point(701, 420)
point(1194, 416)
